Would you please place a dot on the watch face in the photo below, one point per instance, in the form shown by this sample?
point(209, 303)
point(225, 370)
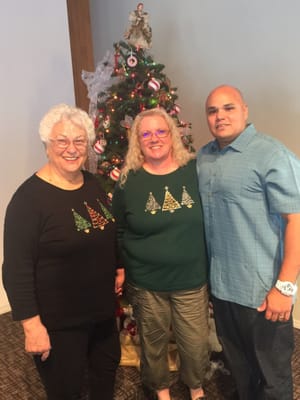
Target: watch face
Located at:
point(286, 288)
point(289, 288)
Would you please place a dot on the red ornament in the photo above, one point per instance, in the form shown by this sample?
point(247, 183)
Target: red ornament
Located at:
point(176, 109)
point(98, 147)
point(115, 174)
point(132, 328)
point(154, 84)
point(116, 56)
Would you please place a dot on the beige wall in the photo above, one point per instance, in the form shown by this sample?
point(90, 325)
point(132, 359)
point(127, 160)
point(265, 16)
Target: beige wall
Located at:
point(36, 73)
point(297, 313)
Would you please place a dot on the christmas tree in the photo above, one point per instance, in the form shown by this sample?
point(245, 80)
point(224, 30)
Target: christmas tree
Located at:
point(128, 83)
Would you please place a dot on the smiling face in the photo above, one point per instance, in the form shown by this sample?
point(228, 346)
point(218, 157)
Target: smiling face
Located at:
point(226, 114)
point(67, 148)
point(155, 148)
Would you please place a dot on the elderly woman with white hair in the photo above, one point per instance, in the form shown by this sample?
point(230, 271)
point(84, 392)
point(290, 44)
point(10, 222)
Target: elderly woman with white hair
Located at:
point(60, 268)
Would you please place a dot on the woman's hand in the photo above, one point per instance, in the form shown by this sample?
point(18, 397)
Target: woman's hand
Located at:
point(37, 340)
point(119, 280)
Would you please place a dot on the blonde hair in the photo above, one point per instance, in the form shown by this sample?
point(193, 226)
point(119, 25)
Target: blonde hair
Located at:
point(62, 112)
point(134, 158)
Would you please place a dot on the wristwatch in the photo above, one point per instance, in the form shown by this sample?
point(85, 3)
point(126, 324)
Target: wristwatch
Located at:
point(285, 287)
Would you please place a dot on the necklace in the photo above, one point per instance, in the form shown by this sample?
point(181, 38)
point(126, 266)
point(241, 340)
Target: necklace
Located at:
point(63, 182)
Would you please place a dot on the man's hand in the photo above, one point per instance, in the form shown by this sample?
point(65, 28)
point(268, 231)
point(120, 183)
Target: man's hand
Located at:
point(277, 306)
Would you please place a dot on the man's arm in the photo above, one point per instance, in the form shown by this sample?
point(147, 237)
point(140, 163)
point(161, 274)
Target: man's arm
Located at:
point(278, 306)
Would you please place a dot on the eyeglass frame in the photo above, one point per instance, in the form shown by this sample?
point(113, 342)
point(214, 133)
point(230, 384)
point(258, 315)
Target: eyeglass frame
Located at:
point(64, 143)
point(159, 133)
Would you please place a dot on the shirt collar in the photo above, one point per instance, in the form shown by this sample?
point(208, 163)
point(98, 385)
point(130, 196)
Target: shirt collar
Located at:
point(241, 142)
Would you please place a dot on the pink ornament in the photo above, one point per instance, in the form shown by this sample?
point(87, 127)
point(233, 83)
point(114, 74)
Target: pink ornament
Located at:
point(98, 147)
point(154, 84)
point(115, 174)
point(176, 109)
point(132, 61)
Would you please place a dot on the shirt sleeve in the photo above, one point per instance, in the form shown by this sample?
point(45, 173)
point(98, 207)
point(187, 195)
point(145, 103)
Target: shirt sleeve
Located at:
point(283, 183)
point(118, 207)
point(20, 256)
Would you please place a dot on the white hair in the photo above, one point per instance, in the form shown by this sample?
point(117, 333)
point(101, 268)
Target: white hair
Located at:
point(63, 112)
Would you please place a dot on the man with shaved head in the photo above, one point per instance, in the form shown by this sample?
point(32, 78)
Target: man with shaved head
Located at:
point(250, 189)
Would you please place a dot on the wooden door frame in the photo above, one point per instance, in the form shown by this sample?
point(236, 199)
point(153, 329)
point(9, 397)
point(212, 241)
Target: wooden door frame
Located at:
point(81, 47)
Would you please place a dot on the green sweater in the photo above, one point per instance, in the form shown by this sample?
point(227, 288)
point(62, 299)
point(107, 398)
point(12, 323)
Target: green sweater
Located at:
point(160, 230)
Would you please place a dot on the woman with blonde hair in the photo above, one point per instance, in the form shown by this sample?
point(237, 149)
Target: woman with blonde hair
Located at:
point(161, 240)
point(135, 157)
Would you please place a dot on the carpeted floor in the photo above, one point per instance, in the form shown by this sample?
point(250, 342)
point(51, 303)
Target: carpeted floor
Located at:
point(19, 380)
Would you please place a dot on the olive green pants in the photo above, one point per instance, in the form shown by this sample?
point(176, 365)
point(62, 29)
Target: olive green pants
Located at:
point(186, 313)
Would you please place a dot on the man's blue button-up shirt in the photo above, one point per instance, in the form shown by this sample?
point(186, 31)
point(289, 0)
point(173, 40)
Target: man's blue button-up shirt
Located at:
point(245, 188)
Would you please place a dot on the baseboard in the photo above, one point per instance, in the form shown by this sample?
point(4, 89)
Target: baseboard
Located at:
point(4, 309)
point(297, 323)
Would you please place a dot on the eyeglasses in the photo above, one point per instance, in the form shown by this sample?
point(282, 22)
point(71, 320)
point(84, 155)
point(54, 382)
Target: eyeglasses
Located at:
point(61, 143)
point(160, 134)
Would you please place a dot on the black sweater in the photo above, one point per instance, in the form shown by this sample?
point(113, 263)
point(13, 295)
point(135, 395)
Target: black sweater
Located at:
point(59, 253)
